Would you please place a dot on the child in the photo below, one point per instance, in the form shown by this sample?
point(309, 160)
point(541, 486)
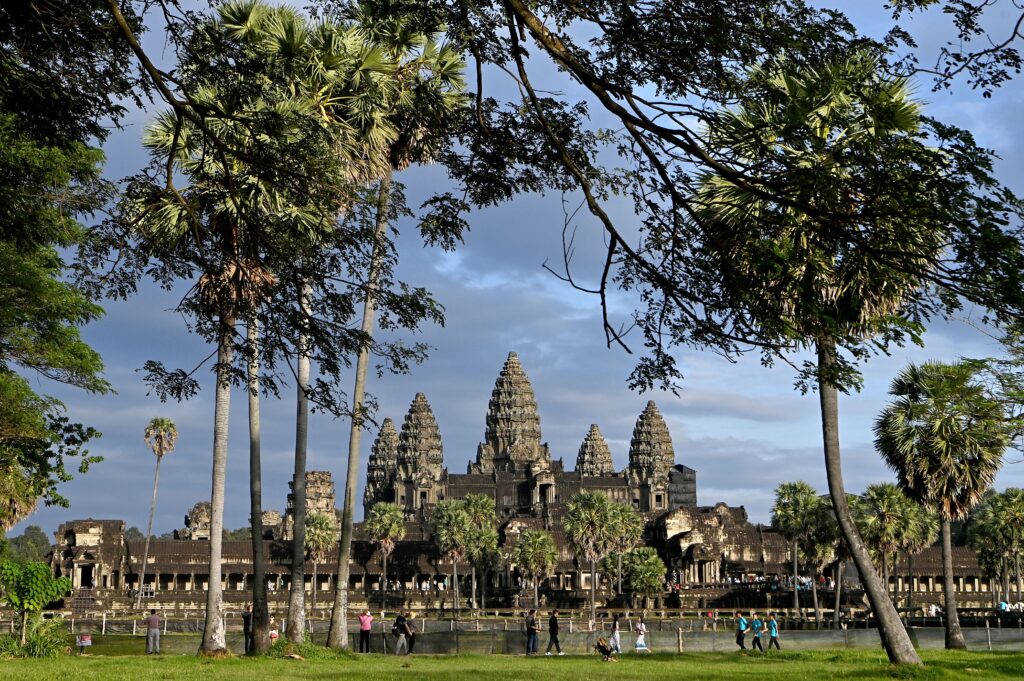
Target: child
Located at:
point(741, 630)
point(756, 628)
point(773, 632)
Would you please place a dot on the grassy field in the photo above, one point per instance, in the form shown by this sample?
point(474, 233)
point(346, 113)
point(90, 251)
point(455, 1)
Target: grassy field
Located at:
point(790, 666)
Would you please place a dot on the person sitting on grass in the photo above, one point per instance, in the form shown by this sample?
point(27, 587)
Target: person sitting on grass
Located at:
point(602, 646)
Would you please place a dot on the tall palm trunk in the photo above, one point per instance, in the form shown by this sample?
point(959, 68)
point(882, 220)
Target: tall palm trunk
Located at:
point(337, 635)
point(910, 583)
point(837, 615)
point(260, 614)
point(312, 601)
point(383, 594)
point(149, 530)
point(796, 577)
point(885, 573)
point(894, 636)
point(213, 642)
point(1016, 566)
point(593, 591)
point(455, 584)
point(954, 637)
point(536, 592)
point(483, 587)
point(472, 587)
point(814, 599)
point(297, 597)
point(618, 568)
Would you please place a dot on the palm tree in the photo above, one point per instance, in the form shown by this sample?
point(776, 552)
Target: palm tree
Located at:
point(821, 545)
point(822, 132)
point(384, 527)
point(430, 84)
point(921, 531)
point(483, 537)
point(944, 437)
point(536, 555)
point(883, 515)
point(160, 436)
point(792, 515)
point(587, 524)
point(996, 532)
point(450, 524)
point(627, 527)
point(321, 535)
point(233, 221)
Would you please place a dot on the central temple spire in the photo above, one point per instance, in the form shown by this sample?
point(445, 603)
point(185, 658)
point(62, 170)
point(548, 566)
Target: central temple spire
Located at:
point(512, 437)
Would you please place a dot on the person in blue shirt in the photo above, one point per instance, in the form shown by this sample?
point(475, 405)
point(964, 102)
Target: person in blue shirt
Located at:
point(756, 625)
point(773, 632)
point(741, 630)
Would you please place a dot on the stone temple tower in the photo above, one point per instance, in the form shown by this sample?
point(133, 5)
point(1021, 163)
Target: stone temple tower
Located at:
point(594, 459)
point(381, 467)
point(420, 458)
point(512, 438)
point(651, 459)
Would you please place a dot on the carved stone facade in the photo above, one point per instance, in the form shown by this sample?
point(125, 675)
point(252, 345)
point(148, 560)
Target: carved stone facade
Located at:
point(320, 498)
point(515, 467)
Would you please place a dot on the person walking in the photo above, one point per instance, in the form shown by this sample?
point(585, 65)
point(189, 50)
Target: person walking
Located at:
point(152, 633)
point(400, 629)
point(616, 640)
point(247, 629)
point(773, 632)
point(531, 632)
point(365, 626)
point(272, 630)
point(741, 630)
point(553, 633)
point(410, 629)
point(641, 636)
point(756, 627)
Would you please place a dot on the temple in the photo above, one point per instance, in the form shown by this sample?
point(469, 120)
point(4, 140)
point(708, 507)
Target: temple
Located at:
point(708, 550)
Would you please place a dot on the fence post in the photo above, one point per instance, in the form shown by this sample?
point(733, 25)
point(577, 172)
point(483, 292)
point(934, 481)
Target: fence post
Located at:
point(72, 625)
point(165, 625)
point(103, 629)
point(679, 639)
point(134, 624)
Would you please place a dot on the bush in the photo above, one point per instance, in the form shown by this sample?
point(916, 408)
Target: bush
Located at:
point(43, 638)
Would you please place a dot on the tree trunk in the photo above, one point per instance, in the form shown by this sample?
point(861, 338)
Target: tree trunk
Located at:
point(337, 635)
point(619, 569)
point(24, 626)
point(260, 614)
point(149, 530)
point(383, 589)
point(312, 601)
point(472, 586)
point(593, 591)
point(954, 637)
point(536, 592)
point(1016, 568)
point(297, 596)
point(455, 585)
point(885, 574)
point(483, 588)
point(837, 615)
point(1006, 581)
point(796, 577)
point(894, 636)
point(814, 599)
point(910, 584)
point(213, 642)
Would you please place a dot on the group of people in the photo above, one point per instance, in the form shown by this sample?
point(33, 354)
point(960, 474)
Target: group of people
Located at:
point(757, 628)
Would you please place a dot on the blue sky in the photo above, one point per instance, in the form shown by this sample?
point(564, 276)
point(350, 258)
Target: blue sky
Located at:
point(742, 427)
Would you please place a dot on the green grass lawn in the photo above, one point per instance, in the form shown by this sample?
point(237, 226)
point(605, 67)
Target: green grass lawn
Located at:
point(789, 666)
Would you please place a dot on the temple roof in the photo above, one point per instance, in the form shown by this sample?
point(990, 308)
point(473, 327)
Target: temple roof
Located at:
point(419, 444)
point(512, 416)
point(384, 453)
point(594, 458)
point(650, 450)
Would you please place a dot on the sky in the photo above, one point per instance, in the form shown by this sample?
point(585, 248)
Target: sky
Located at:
point(742, 427)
